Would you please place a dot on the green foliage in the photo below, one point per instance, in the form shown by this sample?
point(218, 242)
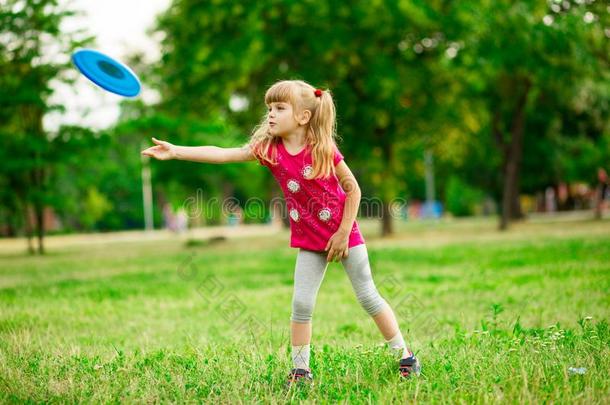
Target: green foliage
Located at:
point(461, 198)
point(398, 72)
point(407, 77)
point(95, 206)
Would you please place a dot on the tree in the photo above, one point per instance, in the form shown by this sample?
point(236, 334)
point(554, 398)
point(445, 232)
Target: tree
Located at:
point(27, 31)
point(520, 56)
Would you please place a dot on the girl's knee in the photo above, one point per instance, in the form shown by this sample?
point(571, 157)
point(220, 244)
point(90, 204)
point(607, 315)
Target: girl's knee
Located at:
point(300, 318)
point(372, 303)
point(302, 310)
point(378, 308)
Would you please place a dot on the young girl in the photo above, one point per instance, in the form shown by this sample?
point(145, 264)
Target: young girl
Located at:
point(296, 141)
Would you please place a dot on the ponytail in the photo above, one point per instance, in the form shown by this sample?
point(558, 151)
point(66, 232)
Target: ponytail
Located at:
point(323, 127)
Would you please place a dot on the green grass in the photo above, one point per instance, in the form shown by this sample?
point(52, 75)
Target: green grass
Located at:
point(493, 317)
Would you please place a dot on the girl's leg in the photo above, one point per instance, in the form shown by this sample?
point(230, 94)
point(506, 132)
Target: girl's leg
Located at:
point(308, 275)
point(358, 270)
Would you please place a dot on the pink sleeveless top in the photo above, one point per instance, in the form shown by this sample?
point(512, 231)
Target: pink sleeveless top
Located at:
point(315, 206)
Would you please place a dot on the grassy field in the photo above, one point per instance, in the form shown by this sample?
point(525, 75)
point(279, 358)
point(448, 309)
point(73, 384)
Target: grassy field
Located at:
point(493, 317)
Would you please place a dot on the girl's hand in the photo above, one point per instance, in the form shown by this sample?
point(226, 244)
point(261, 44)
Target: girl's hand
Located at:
point(337, 246)
point(163, 150)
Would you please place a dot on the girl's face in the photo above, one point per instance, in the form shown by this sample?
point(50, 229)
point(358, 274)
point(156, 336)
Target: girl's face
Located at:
point(281, 119)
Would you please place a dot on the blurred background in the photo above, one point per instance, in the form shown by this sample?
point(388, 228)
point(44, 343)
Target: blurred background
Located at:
point(445, 109)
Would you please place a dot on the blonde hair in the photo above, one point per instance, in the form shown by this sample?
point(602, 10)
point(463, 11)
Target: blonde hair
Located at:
point(320, 134)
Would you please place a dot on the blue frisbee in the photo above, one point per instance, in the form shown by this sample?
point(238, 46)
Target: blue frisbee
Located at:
point(107, 72)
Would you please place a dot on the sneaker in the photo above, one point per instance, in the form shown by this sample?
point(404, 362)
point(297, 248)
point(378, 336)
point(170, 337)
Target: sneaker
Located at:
point(299, 376)
point(409, 366)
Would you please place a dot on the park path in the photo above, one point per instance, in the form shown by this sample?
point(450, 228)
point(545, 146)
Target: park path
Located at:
point(414, 233)
point(19, 245)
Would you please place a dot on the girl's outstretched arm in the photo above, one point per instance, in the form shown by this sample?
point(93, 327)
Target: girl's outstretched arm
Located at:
point(204, 154)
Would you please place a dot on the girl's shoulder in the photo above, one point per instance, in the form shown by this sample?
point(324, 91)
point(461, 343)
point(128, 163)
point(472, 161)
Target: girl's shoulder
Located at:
point(337, 155)
point(265, 153)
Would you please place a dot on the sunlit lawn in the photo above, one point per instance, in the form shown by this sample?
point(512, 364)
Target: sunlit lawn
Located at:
point(492, 317)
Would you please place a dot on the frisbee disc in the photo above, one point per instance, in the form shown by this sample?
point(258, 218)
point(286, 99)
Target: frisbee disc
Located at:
point(107, 72)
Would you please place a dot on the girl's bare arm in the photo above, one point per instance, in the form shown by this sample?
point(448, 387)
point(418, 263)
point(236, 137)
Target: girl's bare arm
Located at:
point(204, 154)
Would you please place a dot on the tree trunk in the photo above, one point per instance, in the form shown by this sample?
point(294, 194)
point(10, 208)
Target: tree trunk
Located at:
point(39, 213)
point(35, 179)
point(512, 156)
point(599, 200)
point(387, 227)
point(516, 212)
point(39, 183)
point(283, 213)
point(386, 220)
point(279, 209)
point(28, 229)
point(228, 202)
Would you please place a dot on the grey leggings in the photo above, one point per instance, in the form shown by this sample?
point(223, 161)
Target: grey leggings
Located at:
point(309, 272)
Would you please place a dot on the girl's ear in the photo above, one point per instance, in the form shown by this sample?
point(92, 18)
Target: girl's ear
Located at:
point(305, 117)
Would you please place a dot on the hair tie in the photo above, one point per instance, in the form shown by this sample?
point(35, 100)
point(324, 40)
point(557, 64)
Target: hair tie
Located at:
point(318, 93)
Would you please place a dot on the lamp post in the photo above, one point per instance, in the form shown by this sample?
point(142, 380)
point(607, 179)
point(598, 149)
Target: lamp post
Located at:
point(147, 192)
point(429, 165)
